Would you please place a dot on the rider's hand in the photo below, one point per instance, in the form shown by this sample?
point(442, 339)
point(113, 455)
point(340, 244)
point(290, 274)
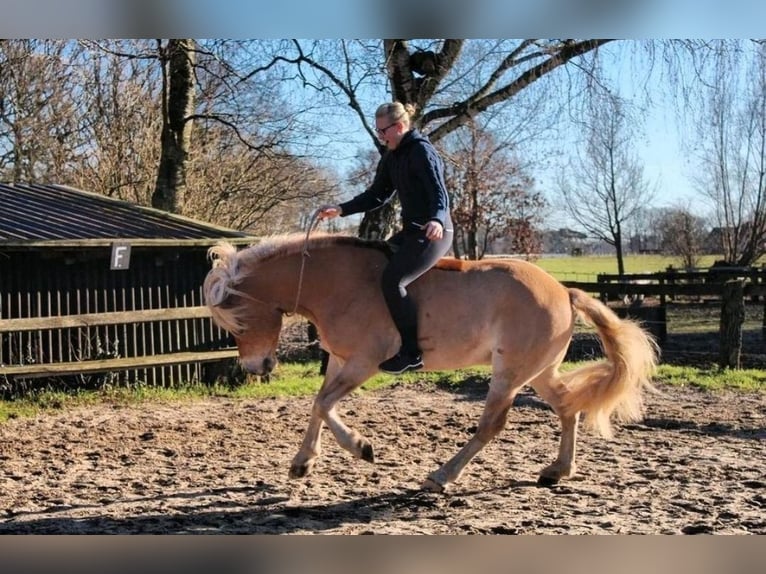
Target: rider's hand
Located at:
point(328, 211)
point(433, 230)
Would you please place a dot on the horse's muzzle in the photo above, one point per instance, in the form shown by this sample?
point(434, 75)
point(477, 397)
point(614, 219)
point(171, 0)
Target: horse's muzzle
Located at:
point(259, 367)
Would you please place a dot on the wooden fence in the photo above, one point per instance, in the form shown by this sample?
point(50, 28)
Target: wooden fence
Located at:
point(65, 315)
point(51, 329)
point(693, 283)
point(730, 287)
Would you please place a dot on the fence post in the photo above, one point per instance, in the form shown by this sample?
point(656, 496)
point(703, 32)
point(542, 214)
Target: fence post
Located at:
point(603, 297)
point(666, 278)
point(732, 319)
point(763, 323)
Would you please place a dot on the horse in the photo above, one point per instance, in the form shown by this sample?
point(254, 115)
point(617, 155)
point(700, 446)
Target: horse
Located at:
point(509, 314)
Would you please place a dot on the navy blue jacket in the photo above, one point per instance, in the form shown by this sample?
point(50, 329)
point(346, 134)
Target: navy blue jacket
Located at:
point(415, 171)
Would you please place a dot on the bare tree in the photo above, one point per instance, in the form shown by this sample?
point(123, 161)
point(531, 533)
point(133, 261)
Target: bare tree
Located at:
point(39, 132)
point(492, 198)
point(255, 192)
point(179, 128)
point(237, 124)
point(644, 230)
point(682, 234)
point(121, 117)
point(604, 186)
point(732, 148)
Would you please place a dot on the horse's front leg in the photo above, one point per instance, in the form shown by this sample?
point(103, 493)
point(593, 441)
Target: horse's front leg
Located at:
point(339, 381)
point(311, 447)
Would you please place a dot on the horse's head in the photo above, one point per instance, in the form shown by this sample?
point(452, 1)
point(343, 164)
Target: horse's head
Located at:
point(255, 324)
point(257, 345)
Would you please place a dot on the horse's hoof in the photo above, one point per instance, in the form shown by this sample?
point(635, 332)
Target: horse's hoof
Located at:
point(367, 453)
point(430, 485)
point(300, 470)
point(547, 481)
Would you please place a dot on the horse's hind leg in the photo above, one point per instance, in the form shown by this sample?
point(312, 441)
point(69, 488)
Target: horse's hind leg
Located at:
point(550, 388)
point(502, 391)
point(339, 382)
point(564, 466)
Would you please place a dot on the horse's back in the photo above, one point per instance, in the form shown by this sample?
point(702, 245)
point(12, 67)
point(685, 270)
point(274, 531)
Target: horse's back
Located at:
point(516, 278)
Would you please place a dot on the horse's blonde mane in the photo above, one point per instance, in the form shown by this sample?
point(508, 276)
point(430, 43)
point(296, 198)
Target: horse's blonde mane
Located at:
point(295, 243)
point(220, 283)
point(230, 267)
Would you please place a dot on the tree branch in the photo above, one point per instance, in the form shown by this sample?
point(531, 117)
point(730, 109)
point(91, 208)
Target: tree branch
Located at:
point(461, 112)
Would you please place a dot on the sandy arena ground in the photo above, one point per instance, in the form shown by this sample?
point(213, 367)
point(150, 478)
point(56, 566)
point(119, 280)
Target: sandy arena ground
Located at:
point(696, 464)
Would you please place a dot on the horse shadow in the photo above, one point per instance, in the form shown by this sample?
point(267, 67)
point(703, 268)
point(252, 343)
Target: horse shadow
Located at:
point(712, 428)
point(271, 514)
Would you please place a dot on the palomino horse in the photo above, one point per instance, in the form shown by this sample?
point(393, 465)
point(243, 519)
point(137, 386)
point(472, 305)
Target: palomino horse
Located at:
point(510, 314)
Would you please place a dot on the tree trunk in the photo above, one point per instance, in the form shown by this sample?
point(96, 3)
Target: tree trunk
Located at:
point(458, 252)
point(732, 319)
point(620, 256)
point(378, 224)
point(178, 104)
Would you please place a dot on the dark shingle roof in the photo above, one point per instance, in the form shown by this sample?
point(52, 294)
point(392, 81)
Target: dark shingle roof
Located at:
point(56, 215)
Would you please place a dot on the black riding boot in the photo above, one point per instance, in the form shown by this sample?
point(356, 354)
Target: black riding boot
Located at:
point(409, 357)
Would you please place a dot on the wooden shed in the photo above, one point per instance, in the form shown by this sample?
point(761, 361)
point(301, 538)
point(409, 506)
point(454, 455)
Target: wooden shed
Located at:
point(96, 291)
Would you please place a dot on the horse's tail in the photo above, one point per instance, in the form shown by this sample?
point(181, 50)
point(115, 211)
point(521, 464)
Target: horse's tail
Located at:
point(613, 386)
point(219, 284)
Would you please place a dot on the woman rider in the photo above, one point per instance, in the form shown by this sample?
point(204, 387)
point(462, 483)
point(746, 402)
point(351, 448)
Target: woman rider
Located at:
point(411, 168)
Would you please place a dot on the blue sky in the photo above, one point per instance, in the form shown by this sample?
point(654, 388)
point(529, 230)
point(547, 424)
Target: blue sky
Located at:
point(664, 144)
point(665, 161)
point(668, 135)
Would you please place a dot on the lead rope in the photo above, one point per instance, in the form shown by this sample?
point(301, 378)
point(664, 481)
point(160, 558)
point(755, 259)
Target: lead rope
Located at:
point(304, 255)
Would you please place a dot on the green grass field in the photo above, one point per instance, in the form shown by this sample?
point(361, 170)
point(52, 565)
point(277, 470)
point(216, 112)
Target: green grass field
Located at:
point(586, 268)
